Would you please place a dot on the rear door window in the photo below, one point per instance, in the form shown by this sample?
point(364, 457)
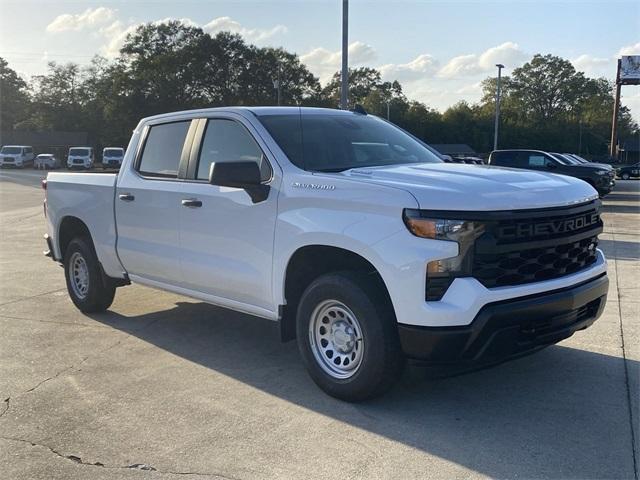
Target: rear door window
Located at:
point(507, 159)
point(537, 160)
point(163, 149)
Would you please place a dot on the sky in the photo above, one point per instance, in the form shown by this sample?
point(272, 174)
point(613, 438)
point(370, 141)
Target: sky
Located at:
point(439, 50)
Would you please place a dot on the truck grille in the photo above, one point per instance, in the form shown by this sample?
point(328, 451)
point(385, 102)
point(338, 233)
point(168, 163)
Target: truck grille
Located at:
point(535, 264)
point(545, 245)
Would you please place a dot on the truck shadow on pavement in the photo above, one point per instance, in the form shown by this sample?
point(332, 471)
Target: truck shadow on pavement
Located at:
point(561, 413)
point(624, 250)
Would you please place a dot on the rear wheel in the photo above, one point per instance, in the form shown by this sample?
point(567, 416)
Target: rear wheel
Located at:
point(87, 287)
point(347, 336)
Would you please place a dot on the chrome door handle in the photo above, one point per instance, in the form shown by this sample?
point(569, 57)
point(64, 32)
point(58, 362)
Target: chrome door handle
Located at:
point(126, 197)
point(191, 202)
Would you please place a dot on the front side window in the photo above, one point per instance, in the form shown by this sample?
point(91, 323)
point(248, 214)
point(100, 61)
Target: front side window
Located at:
point(229, 141)
point(330, 142)
point(162, 149)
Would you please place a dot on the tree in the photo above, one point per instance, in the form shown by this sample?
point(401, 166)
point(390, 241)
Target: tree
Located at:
point(547, 87)
point(58, 98)
point(14, 97)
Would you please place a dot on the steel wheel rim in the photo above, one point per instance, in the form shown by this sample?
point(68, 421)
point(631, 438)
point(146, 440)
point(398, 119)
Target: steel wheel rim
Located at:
point(336, 339)
point(79, 275)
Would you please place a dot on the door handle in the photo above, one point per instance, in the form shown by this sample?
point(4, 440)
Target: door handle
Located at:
point(191, 202)
point(126, 197)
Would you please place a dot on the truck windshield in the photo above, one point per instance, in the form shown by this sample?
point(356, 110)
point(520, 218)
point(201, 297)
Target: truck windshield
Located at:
point(337, 142)
point(11, 150)
point(79, 152)
point(113, 152)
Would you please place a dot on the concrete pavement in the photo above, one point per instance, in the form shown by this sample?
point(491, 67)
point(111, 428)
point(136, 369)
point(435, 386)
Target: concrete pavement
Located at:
point(166, 387)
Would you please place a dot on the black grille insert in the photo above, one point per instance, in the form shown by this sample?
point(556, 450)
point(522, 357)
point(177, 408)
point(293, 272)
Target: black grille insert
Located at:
point(534, 264)
point(537, 246)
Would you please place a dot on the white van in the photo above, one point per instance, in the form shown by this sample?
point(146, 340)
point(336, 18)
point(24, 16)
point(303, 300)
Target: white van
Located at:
point(80, 157)
point(16, 156)
point(112, 156)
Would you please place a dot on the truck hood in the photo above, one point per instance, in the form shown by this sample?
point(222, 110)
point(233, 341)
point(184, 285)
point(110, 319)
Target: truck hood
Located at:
point(446, 186)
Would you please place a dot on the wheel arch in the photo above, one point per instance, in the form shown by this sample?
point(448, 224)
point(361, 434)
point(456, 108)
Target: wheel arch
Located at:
point(309, 262)
point(71, 227)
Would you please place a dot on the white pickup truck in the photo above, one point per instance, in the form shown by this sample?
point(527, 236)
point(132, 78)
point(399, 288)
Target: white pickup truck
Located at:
point(343, 228)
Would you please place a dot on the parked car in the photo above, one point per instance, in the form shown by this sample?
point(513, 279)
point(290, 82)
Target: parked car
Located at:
point(368, 256)
point(46, 161)
point(112, 156)
point(18, 156)
point(80, 157)
point(581, 160)
point(629, 171)
point(600, 178)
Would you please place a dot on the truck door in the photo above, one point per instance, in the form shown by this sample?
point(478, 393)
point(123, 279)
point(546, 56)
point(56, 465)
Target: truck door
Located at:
point(226, 239)
point(148, 195)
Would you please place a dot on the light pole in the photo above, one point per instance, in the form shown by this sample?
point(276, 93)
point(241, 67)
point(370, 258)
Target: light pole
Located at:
point(388, 104)
point(277, 84)
point(344, 84)
point(497, 121)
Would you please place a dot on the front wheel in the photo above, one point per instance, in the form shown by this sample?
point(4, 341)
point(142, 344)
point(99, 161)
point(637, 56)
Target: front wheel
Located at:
point(88, 289)
point(625, 176)
point(347, 336)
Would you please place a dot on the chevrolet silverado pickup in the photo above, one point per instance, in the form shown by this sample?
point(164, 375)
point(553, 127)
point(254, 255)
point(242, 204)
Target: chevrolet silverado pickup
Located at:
point(342, 228)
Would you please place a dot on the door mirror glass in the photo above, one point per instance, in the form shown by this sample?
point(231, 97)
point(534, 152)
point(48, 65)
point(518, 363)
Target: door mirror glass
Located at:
point(238, 174)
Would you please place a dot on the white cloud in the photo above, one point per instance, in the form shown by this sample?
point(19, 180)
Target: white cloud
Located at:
point(227, 24)
point(90, 18)
point(420, 67)
point(592, 65)
point(116, 33)
point(325, 63)
point(460, 66)
point(473, 89)
point(508, 53)
point(632, 101)
point(629, 50)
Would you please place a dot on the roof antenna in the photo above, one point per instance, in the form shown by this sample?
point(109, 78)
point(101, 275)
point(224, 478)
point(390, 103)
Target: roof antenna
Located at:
point(359, 109)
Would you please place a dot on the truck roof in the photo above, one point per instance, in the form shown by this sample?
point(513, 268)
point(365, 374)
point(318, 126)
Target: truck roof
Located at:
point(259, 111)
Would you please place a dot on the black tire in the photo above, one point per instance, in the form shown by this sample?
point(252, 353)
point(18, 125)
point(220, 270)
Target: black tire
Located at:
point(625, 176)
point(100, 292)
point(382, 360)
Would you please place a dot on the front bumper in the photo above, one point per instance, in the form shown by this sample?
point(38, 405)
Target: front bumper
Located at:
point(509, 328)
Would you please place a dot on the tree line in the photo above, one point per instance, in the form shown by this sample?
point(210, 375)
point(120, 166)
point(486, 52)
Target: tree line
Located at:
point(163, 67)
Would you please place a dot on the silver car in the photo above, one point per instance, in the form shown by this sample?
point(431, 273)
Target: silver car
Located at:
point(46, 161)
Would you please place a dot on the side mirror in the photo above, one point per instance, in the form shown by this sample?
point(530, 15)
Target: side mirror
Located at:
point(245, 175)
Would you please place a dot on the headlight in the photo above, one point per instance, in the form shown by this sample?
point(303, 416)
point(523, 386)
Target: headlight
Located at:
point(441, 273)
point(602, 172)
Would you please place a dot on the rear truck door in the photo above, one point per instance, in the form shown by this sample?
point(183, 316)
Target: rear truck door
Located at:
point(227, 238)
point(147, 203)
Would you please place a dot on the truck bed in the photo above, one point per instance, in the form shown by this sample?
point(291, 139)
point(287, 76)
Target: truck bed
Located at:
point(90, 198)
